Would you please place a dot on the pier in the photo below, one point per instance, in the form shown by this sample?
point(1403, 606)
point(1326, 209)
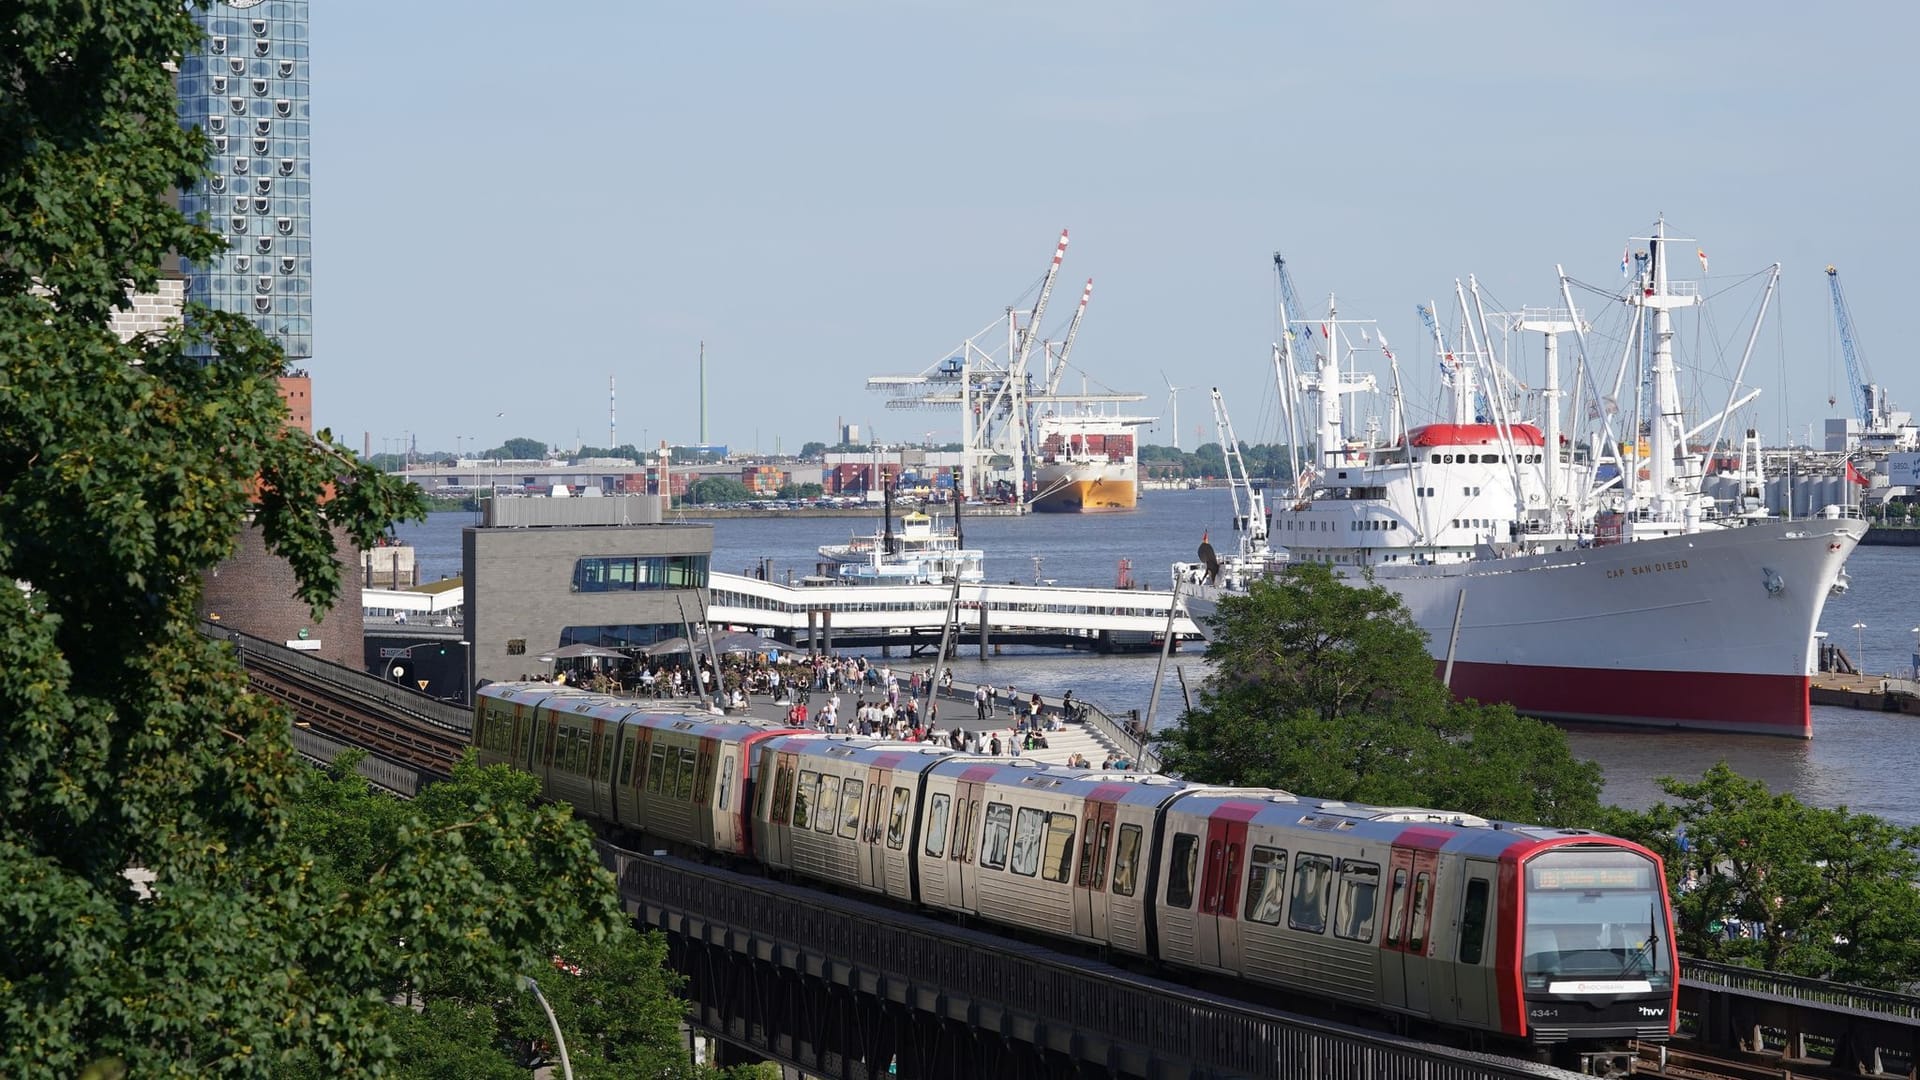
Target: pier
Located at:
point(826, 617)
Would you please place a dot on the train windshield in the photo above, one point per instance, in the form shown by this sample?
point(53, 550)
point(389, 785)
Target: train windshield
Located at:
point(1596, 918)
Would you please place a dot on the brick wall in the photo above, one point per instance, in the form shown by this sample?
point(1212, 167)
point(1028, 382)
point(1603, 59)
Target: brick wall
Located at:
point(253, 592)
point(151, 311)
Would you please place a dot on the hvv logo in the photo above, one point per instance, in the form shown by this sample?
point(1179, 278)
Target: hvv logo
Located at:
point(1648, 1011)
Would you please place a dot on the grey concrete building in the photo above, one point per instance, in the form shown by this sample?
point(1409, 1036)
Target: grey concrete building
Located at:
point(534, 588)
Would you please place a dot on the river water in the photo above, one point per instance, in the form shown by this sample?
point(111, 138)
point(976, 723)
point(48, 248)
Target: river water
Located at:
point(1863, 760)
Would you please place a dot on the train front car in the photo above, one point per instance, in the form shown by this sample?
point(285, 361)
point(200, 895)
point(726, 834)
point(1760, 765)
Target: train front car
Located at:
point(1594, 944)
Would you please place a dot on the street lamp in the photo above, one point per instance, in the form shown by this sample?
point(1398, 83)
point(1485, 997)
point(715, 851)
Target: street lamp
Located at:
point(527, 984)
point(1860, 646)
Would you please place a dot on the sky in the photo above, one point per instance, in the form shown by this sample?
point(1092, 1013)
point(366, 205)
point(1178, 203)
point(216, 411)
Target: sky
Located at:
point(513, 202)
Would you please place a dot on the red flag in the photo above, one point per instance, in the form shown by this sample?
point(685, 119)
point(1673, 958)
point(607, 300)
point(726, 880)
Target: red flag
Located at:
point(1855, 475)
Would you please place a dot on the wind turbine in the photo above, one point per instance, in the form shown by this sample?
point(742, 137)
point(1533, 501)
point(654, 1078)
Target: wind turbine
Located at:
point(1173, 406)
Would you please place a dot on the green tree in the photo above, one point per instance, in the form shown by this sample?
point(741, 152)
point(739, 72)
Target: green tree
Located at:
point(813, 450)
point(1834, 894)
point(801, 491)
point(528, 887)
point(520, 449)
point(717, 489)
point(129, 740)
point(1326, 688)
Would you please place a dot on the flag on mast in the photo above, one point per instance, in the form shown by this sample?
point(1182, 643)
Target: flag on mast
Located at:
point(1855, 475)
point(1625, 261)
point(1703, 261)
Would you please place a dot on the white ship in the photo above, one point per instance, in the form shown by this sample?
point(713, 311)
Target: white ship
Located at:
point(920, 553)
point(1589, 582)
point(1086, 464)
point(1201, 583)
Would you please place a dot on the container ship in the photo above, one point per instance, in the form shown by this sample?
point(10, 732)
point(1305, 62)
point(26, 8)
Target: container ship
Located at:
point(1589, 580)
point(1086, 464)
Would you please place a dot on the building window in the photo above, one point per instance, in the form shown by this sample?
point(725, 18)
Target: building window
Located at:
point(516, 646)
point(633, 573)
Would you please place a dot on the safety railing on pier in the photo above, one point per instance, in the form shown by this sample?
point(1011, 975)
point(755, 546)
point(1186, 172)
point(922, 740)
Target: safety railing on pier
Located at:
point(1799, 988)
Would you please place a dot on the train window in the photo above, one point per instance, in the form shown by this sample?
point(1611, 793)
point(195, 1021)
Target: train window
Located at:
point(1086, 855)
point(897, 818)
point(850, 809)
point(688, 764)
point(1100, 860)
point(1397, 906)
point(1473, 921)
point(1312, 884)
point(1026, 840)
point(1422, 915)
point(1267, 885)
point(703, 777)
point(993, 839)
point(726, 780)
point(874, 792)
point(605, 757)
point(803, 799)
point(1126, 860)
point(938, 808)
point(963, 830)
point(827, 815)
point(631, 750)
point(1059, 855)
point(1186, 855)
point(1359, 893)
point(656, 764)
point(782, 811)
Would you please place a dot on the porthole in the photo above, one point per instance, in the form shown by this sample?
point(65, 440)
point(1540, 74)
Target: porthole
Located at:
point(285, 225)
point(216, 184)
point(263, 128)
point(286, 264)
point(262, 46)
point(263, 284)
point(259, 88)
point(259, 27)
point(262, 186)
point(217, 44)
point(286, 166)
point(238, 225)
point(238, 105)
point(261, 206)
point(240, 166)
point(283, 107)
point(216, 124)
point(237, 66)
point(219, 144)
point(239, 204)
point(219, 84)
point(242, 263)
point(286, 69)
point(263, 244)
point(260, 147)
point(263, 304)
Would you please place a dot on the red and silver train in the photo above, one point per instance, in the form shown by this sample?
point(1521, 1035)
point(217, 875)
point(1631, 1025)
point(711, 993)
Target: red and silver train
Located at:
point(1554, 937)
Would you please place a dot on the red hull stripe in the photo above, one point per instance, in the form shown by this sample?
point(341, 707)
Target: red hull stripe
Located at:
point(1702, 700)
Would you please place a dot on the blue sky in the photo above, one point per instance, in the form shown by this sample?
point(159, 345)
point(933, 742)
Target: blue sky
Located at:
point(513, 202)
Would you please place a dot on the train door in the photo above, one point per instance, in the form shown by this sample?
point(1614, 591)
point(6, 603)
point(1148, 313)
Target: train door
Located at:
point(936, 873)
point(1090, 883)
point(1405, 970)
point(872, 850)
point(1217, 935)
point(1473, 975)
point(968, 804)
point(523, 718)
point(600, 745)
point(779, 816)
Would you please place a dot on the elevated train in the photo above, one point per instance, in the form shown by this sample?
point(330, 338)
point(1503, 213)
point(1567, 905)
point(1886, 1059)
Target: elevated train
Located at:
point(1555, 938)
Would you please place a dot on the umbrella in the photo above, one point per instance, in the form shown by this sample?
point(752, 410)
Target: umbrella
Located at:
point(670, 645)
point(573, 652)
point(733, 641)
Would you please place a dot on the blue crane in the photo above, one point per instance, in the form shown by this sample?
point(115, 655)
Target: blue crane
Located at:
point(1857, 373)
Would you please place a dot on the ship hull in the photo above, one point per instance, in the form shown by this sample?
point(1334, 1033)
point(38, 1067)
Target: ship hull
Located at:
point(1086, 491)
point(1709, 631)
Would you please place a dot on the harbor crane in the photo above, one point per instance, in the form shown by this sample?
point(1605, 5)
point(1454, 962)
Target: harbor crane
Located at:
point(1860, 380)
point(1066, 346)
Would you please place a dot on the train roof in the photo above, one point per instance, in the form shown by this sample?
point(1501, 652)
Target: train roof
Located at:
point(680, 716)
point(1415, 826)
point(862, 750)
point(1103, 785)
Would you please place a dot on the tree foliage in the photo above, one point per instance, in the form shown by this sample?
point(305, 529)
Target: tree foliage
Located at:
point(1326, 688)
point(717, 489)
point(518, 449)
point(519, 882)
point(1825, 893)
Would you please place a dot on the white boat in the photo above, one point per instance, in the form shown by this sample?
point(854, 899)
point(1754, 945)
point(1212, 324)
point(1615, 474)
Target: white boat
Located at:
point(921, 552)
point(1580, 580)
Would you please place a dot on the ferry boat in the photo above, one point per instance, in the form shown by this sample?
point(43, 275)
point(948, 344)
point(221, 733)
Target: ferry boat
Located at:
point(920, 553)
point(1588, 581)
point(1086, 464)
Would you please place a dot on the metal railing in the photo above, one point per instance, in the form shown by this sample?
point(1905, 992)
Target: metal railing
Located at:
point(395, 698)
point(1864, 999)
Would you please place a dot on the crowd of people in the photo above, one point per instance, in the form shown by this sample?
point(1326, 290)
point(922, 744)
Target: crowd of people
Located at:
point(886, 701)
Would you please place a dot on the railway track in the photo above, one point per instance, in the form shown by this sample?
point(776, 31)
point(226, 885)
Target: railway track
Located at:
point(350, 719)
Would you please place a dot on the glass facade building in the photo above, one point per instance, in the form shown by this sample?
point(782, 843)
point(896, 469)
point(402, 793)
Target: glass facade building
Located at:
point(248, 89)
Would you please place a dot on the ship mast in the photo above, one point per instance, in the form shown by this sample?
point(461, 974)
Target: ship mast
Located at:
point(1670, 462)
